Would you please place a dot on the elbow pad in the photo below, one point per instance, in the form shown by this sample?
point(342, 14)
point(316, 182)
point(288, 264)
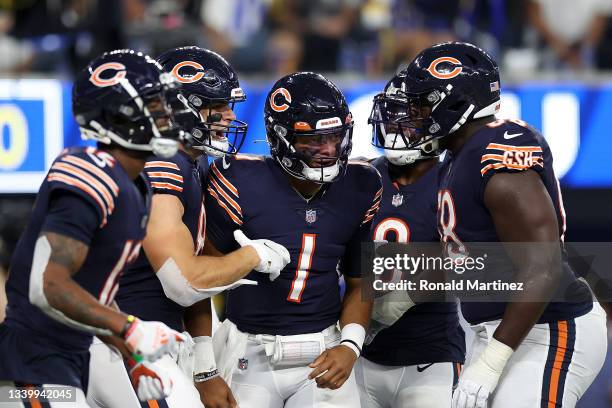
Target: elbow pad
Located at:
point(178, 289)
point(36, 292)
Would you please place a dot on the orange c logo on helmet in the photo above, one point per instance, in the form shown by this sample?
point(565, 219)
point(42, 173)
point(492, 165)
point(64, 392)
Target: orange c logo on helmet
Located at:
point(284, 106)
point(120, 73)
point(187, 79)
point(433, 68)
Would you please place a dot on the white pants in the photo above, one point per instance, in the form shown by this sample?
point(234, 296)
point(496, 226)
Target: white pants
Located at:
point(382, 386)
point(260, 385)
point(553, 366)
point(110, 385)
point(7, 387)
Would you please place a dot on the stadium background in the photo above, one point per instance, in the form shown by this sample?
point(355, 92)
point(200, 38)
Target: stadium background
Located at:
point(555, 58)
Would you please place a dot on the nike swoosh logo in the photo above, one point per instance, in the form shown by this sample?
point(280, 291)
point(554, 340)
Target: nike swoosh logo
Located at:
point(511, 135)
point(423, 368)
point(224, 163)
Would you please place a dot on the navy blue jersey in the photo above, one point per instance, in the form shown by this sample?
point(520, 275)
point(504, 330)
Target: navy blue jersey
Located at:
point(428, 332)
point(500, 146)
point(141, 293)
point(121, 212)
point(254, 194)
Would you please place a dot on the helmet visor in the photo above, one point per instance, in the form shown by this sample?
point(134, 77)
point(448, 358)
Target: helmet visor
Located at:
point(399, 123)
point(322, 148)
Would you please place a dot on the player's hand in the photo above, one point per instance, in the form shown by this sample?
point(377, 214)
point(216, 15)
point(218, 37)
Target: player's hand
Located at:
point(478, 380)
point(333, 367)
point(151, 340)
point(273, 257)
point(215, 393)
point(469, 394)
point(150, 381)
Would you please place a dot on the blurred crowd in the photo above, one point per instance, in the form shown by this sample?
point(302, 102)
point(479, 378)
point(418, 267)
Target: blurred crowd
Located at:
point(273, 37)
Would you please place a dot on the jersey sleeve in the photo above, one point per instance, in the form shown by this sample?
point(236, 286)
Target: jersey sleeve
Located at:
point(351, 261)
point(71, 216)
point(86, 178)
point(514, 149)
point(166, 177)
point(223, 211)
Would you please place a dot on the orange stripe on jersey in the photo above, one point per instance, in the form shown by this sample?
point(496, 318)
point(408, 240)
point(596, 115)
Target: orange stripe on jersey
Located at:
point(95, 184)
point(556, 369)
point(486, 157)
point(374, 208)
point(229, 199)
point(491, 166)
point(167, 186)
point(497, 146)
point(225, 207)
point(159, 163)
point(94, 170)
point(378, 194)
point(153, 404)
point(72, 181)
point(165, 174)
point(223, 180)
point(519, 166)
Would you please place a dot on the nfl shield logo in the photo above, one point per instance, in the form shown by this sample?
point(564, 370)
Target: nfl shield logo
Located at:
point(243, 363)
point(397, 200)
point(311, 216)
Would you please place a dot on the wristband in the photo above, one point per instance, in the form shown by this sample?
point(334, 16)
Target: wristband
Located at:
point(201, 377)
point(353, 336)
point(204, 359)
point(128, 325)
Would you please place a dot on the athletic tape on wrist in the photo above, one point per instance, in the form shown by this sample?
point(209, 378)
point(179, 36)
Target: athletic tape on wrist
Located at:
point(204, 357)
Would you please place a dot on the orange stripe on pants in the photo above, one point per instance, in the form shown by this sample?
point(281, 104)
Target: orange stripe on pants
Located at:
point(153, 404)
point(33, 400)
point(556, 368)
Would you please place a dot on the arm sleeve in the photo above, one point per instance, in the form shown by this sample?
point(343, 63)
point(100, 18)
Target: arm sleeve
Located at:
point(71, 216)
point(223, 211)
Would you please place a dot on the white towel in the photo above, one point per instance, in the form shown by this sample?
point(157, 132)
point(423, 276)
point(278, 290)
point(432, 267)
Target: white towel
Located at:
point(229, 345)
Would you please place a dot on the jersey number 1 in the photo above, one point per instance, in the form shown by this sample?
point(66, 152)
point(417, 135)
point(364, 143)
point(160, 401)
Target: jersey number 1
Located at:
point(303, 268)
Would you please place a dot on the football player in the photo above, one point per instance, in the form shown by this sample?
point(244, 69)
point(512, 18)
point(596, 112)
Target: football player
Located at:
point(415, 362)
point(498, 185)
point(86, 227)
point(280, 346)
point(173, 275)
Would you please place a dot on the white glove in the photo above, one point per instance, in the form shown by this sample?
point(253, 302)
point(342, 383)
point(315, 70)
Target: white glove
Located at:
point(479, 379)
point(273, 257)
point(387, 309)
point(150, 381)
point(151, 340)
